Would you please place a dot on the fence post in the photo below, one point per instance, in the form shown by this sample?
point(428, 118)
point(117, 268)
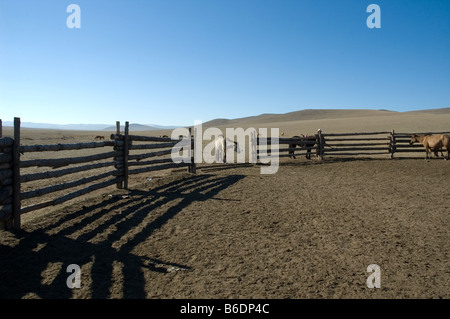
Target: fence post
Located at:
point(125, 156)
point(119, 183)
point(392, 146)
point(192, 168)
point(1, 129)
point(16, 174)
point(320, 143)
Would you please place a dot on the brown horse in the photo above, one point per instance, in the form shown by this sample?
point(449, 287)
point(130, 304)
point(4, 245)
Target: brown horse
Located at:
point(432, 142)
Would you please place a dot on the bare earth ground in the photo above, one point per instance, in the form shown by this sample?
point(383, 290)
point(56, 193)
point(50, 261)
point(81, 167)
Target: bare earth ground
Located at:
point(309, 231)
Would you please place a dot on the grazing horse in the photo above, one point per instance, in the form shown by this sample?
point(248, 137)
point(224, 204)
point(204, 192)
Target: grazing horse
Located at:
point(221, 146)
point(98, 137)
point(306, 141)
point(432, 142)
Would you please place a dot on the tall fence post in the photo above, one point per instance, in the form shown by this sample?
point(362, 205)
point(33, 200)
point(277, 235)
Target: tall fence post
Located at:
point(320, 144)
point(16, 174)
point(125, 155)
point(192, 168)
point(119, 183)
point(1, 129)
point(392, 146)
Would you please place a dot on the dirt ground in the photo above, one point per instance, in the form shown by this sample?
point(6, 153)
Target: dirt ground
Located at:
point(309, 231)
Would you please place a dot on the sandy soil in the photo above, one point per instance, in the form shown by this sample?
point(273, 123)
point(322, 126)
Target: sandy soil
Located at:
point(309, 231)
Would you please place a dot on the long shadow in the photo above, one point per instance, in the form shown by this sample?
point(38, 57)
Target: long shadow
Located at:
point(96, 237)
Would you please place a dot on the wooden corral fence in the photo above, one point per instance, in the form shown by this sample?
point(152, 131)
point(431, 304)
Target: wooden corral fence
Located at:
point(115, 159)
point(368, 144)
point(125, 154)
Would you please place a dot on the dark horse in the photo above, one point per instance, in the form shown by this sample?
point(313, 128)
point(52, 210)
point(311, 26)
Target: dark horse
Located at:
point(307, 142)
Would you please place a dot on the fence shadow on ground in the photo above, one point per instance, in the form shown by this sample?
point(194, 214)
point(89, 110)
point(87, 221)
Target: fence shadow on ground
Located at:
point(101, 234)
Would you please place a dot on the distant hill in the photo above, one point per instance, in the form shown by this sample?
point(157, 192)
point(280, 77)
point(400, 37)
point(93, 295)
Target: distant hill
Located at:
point(87, 127)
point(303, 115)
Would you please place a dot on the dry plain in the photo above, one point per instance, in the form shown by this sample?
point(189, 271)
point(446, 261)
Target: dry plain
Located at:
point(308, 231)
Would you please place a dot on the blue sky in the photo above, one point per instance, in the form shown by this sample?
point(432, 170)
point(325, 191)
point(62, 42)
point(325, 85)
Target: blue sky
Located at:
point(170, 62)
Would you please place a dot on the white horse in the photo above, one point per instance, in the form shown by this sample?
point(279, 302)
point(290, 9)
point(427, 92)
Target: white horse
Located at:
point(222, 145)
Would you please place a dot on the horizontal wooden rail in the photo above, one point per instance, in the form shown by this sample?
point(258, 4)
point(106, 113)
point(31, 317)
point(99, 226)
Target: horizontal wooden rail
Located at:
point(143, 138)
point(6, 142)
point(5, 158)
point(357, 149)
point(151, 146)
point(356, 144)
point(359, 153)
point(354, 134)
point(147, 155)
point(357, 139)
point(5, 212)
point(68, 161)
point(65, 147)
point(6, 173)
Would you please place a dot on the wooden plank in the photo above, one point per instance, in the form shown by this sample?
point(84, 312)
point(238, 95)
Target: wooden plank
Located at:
point(359, 154)
point(125, 156)
point(6, 142)
point(64, 147)
point(410, 150)
point(62, 172)
point(354, 134)
point(5, 158)
point(357, 139)
point(67, 185)
point(358, 149)
point(5, 166)
point(68, 161)
point(6, 173)
point(5, 193)
point(119, 183)
point(403, 134)
point(16, 175)
point(143, 138)
point(152, 162)
point(152, 146)
point(357, 145)
point(6, 182)
point(6, 212)
point(117, 127)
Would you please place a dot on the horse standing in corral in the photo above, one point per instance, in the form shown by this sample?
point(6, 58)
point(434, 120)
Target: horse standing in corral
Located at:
point(221, 146)
point(432, 142)
point(99, 137)
point(306, 141)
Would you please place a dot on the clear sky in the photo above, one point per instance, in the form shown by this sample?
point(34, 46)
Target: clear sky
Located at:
point(170, 62)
